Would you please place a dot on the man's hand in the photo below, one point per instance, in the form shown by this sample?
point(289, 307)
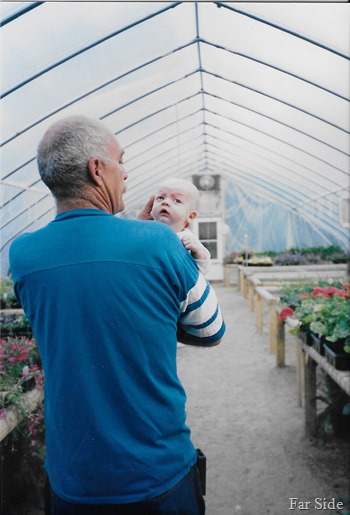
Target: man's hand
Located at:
point(145, 214)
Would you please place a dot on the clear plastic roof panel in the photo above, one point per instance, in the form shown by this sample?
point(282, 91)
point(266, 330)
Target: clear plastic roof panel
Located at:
point(255, 92)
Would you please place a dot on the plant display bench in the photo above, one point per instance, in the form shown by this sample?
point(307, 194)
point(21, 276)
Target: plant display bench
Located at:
point(267, 291)
point(264, 287)
point(274, 273)
point(282, 278)
point(308, 360)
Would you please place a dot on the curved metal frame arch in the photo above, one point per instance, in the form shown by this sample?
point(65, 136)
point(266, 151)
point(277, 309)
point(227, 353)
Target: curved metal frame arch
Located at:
point(206, 156)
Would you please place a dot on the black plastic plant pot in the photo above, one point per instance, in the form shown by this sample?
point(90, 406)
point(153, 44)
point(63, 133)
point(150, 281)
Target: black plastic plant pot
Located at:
point(305, 335)
point(336, 356)
point(317, 343)
point(28, 383)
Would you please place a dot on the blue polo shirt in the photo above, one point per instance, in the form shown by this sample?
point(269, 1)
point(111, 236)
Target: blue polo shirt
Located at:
point(104, 296)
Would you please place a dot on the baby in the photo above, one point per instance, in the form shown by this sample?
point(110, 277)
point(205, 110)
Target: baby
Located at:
point(175, 205)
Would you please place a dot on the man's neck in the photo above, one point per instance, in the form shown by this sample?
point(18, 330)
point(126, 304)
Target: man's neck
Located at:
point(68, 204)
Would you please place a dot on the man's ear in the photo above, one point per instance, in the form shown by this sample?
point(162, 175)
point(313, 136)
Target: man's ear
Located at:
point(191, 217)
point(94, 168)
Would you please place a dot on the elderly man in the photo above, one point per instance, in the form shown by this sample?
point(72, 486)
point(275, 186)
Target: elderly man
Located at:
point(108, 299)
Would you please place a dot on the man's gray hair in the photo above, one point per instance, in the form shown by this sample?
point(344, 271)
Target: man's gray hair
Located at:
point(64, 152)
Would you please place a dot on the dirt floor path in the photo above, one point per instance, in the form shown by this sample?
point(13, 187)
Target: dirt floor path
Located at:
point(243, 414)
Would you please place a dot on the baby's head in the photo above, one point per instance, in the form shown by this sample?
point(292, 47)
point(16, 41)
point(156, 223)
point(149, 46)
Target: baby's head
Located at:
point(175, 203)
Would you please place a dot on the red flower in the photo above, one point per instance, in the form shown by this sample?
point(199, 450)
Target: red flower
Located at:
point(327, 292)
point(285, 313)
point(331, 290)
point(319, 291)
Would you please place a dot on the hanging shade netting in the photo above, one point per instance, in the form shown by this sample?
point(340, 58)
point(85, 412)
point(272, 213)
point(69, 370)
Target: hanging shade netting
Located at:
point(255, 92)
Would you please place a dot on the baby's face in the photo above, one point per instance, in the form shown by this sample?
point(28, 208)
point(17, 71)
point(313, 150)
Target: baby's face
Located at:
point(173, 207)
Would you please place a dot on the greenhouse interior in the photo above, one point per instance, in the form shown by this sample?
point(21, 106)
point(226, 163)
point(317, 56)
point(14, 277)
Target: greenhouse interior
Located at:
point(254, 97)
point(249, 101)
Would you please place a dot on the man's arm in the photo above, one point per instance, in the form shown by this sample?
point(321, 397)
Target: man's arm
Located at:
point(188, 339)
point(201, 322)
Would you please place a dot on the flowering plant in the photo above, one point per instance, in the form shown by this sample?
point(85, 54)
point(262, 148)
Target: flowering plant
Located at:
point(260, 260)
point(293, 294)
point(248, 257)
point(20, 362)
point(312, 255)
point(326, 311)
point(286, 312)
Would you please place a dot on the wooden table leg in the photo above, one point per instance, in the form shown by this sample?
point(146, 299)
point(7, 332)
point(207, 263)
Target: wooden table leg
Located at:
point(299, 364)
point(243, 283)
point(259, 313)
point(277, 339)
point(310, 396)
point(272, 327)
point(251, 296)
point(280, 341)
point(226, 276)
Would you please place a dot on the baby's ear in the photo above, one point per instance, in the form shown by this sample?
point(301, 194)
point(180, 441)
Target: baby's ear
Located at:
point(190, 217)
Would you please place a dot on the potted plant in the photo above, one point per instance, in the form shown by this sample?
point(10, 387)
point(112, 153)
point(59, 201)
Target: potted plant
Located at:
point(243, 256)
point(260, 260)
point(326, 312)
point(291, 298)
point(20, 370)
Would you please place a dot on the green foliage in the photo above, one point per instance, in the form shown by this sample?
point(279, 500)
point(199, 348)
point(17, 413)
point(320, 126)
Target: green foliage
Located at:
point(270, 253)
point(15, 325)
point(312, 255)
point(293, 294)
point(323, 309)
point(297, 256)
point(331, 318)
point(328, 317)
point(324, 252)
point(7, 295)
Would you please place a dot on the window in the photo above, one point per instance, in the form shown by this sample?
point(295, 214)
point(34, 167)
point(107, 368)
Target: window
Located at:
point(208, 235)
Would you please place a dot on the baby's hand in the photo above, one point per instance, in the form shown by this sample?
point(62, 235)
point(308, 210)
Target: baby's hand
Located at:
point(198, 250)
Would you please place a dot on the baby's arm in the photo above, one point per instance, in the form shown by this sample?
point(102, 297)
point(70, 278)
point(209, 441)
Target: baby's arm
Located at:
point(198, 250)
